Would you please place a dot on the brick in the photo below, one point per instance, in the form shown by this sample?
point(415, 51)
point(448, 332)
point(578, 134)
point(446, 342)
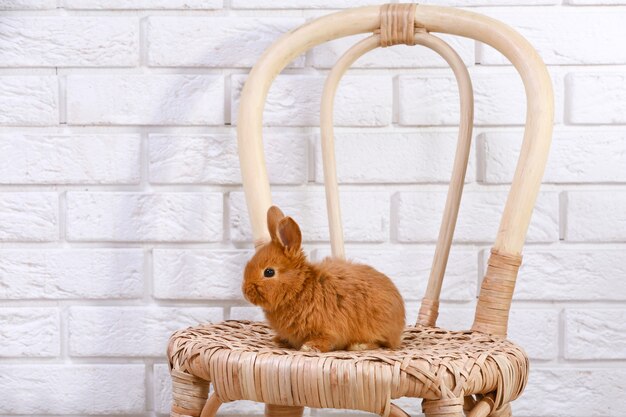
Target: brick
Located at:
point(536, 331)
point(573, 36)
point(399, 56)
point(130, 331)
point(72, 389)
point(294, 100)
point(419, 216)
point(206, 40)
point(596, 216)
point(411, 310)
point(163, 397)
point(71, 273)
point(162, 388)
point(193, 274)
point(473, 3)
point(298, 4)
point(147, 99)
point(329, 4)
point(432, 98)
point(573, 392)
point(144, 4)
point(29, 100)
point(69, 41)
point(452, 318)
point(30, 332)
point(214, 159)
point(595, 333)
point(27, 4)
point(173, 217)
point(29, 217)
point(409, 269)
point(365, 215)
point(594, 2)
point(572, 274)
point(575, 157)
point(69, 159)
point(411, 405)
point(365, 157)
point(596, 98)
point(247, 313)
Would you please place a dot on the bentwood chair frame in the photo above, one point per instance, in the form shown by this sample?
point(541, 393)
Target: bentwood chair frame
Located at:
point(477, 372)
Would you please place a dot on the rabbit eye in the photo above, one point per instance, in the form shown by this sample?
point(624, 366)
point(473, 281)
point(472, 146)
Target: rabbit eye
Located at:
point(269, 272)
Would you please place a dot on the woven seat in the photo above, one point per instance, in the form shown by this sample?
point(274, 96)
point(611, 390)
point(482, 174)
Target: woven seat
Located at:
point(476, 372)
point(432, 363)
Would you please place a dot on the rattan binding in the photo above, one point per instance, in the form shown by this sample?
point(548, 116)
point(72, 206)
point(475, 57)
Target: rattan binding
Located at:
point(397, 24)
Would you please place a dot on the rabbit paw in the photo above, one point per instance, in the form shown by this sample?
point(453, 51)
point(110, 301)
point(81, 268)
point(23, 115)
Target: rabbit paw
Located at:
point(358, 346)
point(280, 342)
point(362, 346)
point(316, 345)
point(308, 348)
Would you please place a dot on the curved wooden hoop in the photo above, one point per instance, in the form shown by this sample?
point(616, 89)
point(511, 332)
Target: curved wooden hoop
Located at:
point(455, 191)
point(539, 117)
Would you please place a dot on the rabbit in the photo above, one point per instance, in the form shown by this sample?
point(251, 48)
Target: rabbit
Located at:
point(320, 307)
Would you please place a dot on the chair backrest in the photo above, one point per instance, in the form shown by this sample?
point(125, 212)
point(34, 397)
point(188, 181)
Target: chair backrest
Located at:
point(399, 21)
point(430, 303)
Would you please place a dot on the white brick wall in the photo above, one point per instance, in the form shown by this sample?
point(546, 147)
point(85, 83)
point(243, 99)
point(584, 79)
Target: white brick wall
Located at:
point(69, 42)
point(96, 331)
point(182, 159)
point(122, 216)
point(145, 99)
point(293, 100)
point(29, 100)
point(72, 389)
point(29, 217)
point(209, 41)
point(71, 159)
point(418, 216)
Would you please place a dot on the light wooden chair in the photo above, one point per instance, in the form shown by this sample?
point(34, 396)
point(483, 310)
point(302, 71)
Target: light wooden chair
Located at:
point(477, 371)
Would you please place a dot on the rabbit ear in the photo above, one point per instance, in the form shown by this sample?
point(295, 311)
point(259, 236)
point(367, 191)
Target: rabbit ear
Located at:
point(289, 233)
point(274, 215)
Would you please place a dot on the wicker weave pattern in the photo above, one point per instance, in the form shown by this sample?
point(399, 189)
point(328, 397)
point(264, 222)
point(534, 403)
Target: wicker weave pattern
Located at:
point(496, 292)
point(241, 360)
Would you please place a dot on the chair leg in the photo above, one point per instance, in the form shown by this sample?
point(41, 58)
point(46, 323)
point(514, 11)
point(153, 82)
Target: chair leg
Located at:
point(272, 410)
point(397, 411)
point(189, 394)
point(469, 402)
point(504, 411)
point(211, 406)
point(447, 407)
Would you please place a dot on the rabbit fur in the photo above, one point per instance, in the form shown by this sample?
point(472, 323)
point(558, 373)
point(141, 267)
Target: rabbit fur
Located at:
point(330, 305)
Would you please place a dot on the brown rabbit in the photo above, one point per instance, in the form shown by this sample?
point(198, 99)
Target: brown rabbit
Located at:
point(331, 305)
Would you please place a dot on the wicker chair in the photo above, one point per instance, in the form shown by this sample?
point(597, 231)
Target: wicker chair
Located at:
point(478, 371)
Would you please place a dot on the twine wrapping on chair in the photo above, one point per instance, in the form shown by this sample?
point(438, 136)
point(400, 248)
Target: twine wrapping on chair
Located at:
point(449, 407)
point(429, 311)
point(190, 400)
point(397, 24)
point(496, 291)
